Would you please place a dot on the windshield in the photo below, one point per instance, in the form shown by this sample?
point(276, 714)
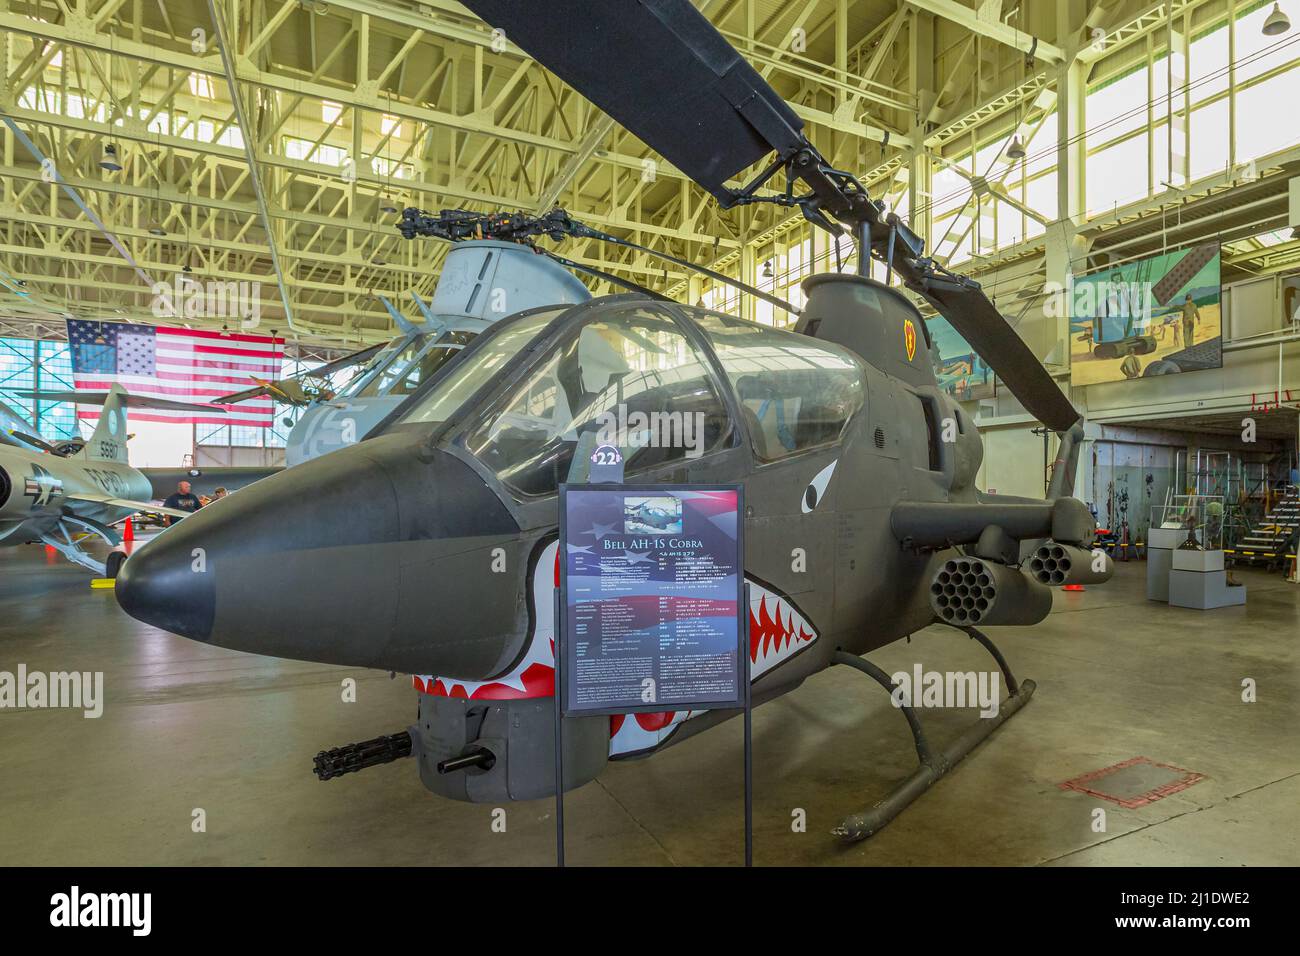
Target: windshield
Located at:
point(626, 376)
point(461, 383)
point(378, 360)
point(411, 366)
point(393, 365)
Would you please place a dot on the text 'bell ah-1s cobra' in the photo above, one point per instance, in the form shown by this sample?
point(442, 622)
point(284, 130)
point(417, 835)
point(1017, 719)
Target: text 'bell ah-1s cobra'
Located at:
point(58, 493)
point(389, 554)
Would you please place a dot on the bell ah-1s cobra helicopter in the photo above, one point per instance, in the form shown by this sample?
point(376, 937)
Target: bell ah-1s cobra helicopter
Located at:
point(388, 554)
point(58, 493)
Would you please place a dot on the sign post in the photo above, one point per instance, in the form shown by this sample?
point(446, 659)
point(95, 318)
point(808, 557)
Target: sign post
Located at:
point(653, 608)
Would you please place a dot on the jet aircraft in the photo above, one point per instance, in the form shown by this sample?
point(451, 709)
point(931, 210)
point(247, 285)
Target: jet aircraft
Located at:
point(59, 496)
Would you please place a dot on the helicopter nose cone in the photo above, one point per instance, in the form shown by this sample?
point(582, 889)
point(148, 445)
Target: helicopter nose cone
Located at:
point(346, 559)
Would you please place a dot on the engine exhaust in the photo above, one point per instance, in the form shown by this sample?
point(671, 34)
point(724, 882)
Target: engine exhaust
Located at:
point(1060, 564)
point(968, 591)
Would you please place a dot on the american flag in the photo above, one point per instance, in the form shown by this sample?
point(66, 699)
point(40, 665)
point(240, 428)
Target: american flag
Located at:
point(184, 365)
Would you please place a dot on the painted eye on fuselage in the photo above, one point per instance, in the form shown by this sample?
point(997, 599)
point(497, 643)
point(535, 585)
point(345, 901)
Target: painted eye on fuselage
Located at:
point(816, 490)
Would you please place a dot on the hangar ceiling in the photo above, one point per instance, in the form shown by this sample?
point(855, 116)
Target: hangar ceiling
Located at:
point(347, 108)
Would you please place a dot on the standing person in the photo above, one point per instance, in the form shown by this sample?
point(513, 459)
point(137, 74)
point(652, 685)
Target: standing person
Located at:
point(182, 499)
point(1191, 314)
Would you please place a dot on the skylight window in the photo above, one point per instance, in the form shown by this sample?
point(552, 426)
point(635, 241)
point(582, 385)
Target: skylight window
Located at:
point(201, 85)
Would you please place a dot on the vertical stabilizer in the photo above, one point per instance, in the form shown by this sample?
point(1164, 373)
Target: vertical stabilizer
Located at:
point(108, 443)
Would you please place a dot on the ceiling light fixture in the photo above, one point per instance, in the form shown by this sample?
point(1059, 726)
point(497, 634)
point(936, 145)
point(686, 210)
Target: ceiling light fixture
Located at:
point(1277, 22)
point(110, 159)
point(1016, 151)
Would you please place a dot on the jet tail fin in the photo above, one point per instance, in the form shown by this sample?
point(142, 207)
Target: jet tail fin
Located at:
point(108, 441)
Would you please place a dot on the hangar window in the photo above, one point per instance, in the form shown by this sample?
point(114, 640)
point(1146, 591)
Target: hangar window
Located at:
point(628, 377)
point(796, 393)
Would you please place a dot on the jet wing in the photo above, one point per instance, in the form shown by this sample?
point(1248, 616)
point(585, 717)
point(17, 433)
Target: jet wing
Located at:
point(127, 503)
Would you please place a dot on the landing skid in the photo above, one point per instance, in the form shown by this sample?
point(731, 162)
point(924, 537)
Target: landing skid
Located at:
point(933, 763)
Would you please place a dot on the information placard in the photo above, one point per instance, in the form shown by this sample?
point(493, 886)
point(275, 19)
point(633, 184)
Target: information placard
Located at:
point(652, 584)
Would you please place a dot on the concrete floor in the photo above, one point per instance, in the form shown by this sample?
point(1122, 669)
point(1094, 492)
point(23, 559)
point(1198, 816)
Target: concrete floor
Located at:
point(187, 726)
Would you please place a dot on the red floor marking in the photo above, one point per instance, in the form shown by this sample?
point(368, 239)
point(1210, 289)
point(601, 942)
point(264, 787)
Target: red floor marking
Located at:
point(1080, 783)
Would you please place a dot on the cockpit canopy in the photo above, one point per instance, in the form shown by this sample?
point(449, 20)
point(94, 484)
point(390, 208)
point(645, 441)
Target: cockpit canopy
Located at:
point(665, 383)
point(407, 362)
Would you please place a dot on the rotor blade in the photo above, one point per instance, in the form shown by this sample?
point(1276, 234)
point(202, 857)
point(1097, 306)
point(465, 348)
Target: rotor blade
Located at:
point(128, 401)
point(664, 73)
point(607, 276)
point(704, 270)
point(353, 358)
point(979, 322)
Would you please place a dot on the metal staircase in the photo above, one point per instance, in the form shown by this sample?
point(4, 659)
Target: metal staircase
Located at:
point(1272, 541)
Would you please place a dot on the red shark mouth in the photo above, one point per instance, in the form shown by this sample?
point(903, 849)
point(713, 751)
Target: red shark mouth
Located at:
point(777, 632)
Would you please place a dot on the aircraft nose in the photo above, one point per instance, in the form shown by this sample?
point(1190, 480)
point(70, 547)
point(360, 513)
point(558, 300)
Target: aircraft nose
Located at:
point(260, 568)
point(326, 561)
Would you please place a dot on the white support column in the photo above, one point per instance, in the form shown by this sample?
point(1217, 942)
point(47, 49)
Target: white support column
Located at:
point(1178, 108)
point(1071, 143)
point(920, 170)
point(749, 276)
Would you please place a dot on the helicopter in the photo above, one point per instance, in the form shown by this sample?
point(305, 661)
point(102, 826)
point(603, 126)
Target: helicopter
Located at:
point(838, 431)
point(652, 518)
point(481, 281)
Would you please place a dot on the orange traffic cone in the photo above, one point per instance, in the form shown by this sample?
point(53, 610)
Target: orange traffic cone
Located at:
point(128, 535)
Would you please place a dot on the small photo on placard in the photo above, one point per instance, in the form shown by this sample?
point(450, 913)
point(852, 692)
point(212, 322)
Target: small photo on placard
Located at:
point(660, 514)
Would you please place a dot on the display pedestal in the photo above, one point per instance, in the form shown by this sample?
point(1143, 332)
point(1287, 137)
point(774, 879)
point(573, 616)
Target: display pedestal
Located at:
point(1161, 543)
point(1197, 579)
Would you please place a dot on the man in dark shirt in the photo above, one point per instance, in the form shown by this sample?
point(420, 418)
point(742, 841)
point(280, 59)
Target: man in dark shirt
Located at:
point(182, 499)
